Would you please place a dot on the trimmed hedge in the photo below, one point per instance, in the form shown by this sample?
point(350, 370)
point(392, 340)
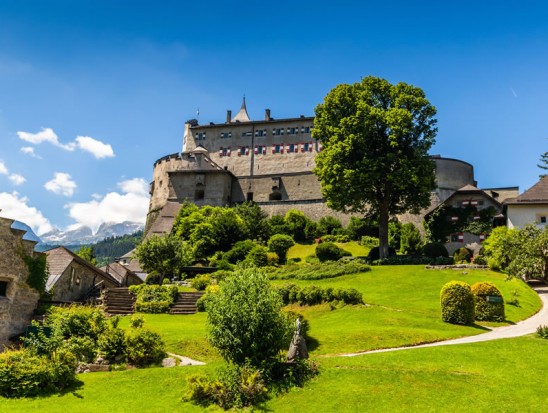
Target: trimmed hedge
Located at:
point(374, 253)
point(319, 271)
point(435, 250)
point(457, 303)
point(313, 295)
point(406, 260)
point(328, 251)
point(154, 298)
point(488, 302)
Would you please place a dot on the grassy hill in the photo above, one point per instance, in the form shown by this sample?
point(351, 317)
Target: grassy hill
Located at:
point(402, 308)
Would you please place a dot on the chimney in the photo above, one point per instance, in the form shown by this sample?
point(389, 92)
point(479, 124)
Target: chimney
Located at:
point(228, 116)
point(267, 114)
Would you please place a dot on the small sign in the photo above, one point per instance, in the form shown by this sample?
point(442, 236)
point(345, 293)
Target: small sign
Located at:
point(493, 299)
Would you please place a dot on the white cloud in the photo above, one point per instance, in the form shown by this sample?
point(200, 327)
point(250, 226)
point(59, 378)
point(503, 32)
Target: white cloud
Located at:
point(14, 207)
point(3, 168)
point(29, 150)
point(17, 179)
point(95, 147)
point(85, 143)
point(130, 205)
point(61, 184)
point(45, 135)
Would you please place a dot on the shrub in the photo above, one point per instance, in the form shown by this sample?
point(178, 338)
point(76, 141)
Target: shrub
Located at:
point(480, 260)
point(410, 239)
point(457, 303)
point(542, 331)
point(154, 298)
point(328, 225)
point(435, 250)
point(330, 269)
point(244, 319)
point(220, 275)
point(200, 282)
point(374, 253)
point(313, 295)
point(153, 278)
point(112, 344)
point(462, 256)
point(77, 321)
point(144, 347)
point(406, 260)
point(370, 242)
point(328, 251)
point(136, 321)
point(83, 348)
point(336, 238)
point(280, 244)
point(24, 374)
point(488, 302)
point(239, 251)
point(258, 256)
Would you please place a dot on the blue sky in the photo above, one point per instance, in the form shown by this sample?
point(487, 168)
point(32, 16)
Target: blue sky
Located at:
point(96, 91)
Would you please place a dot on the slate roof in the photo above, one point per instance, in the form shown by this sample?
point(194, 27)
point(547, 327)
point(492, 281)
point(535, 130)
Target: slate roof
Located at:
point(537, 194)
point(58, 259)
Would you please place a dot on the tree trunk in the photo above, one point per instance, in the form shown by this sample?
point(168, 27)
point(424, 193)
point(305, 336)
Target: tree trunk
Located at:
point(383, 232)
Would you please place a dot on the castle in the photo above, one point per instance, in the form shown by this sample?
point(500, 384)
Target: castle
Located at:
point(266, 161)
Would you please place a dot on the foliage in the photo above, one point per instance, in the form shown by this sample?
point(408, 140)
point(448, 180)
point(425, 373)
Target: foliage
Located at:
point(374, 253)
point(144, 347)
point(313, 295)
point(501, 247)
point(447, 220)
point(487, 308)
point(376, 138)
point(462, 256)
point(413, 260)
point(542, 331)
point(370, 242)
point(236, 387)
point(200, 282)
point(239, 251)
point(394, 235)
point(277, 225)
point(258, 256)
point(25, 374)
point(543, 164)
point(107, 250)
point(296, 223)
point(328, 225)
point(165, 255)
point(320, 271)
point(87, 253)
point(255, 221)
point(77, 321)
point(457, 303)
point(280, 244)
point(410, 239)
point(112, 344)
point(244, 318)
point(38, 271)
point(336, 238)
point(359, 227)
point(435, 250)
point(154, 298)
point(328, 251)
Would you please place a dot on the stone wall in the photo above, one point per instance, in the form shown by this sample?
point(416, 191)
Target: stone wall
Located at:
point(20, 300)
point(75, 282)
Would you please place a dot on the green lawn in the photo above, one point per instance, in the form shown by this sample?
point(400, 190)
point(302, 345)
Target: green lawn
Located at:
point(304, 250)
point(402, 309)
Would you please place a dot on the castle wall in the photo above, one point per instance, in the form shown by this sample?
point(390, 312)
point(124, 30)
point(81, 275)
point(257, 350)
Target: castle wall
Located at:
point(452, 174)
point(18, 302)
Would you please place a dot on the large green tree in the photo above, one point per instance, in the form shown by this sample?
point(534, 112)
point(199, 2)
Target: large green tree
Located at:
point(376, 137)
point(165, 255)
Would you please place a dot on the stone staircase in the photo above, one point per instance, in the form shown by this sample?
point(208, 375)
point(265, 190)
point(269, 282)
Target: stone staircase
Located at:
point(119, 301)
point(185, 304)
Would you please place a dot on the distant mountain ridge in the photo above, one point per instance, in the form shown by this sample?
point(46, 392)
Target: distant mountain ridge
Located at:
point(84, 235)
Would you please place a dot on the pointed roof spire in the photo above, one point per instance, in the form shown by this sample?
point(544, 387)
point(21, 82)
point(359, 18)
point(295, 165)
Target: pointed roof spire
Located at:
point(242, 115)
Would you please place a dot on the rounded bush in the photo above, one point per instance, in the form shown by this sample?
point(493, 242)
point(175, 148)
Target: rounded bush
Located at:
point(435, 250)
point(200, 282)
point(374, 253)
point(328, 251)
point(144, 347)
point(488, 302)
point(457, 303)
point(462, 255)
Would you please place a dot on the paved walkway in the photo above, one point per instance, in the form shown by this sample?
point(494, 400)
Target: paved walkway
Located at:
point(521, 328)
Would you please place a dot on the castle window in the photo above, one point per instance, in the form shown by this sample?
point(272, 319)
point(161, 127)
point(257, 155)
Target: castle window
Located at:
point(247, 134)
point(292, 148)
point(199, 194)
point(200, 136)
point(293, 131)
point(249, 196)
point(3, 288)
point(278, 131)
point(226, 135)
point(275, 196)
point(224, 151)
point(542, 219)
point(260, 133)
point(307, 129)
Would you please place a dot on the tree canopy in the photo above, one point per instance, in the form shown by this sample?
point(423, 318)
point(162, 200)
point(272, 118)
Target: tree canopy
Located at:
point(543, 163)
point(376, 137)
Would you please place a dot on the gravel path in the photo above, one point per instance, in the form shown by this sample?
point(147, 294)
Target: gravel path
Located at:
point(521, 328)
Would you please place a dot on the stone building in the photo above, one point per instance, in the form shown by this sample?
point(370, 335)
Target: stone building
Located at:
point(17, 299)
point(268, 161)
point(73, 279)
point(531, 207)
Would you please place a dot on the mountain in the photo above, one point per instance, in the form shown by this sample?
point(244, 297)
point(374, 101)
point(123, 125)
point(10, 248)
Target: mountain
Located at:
point(84, 235)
